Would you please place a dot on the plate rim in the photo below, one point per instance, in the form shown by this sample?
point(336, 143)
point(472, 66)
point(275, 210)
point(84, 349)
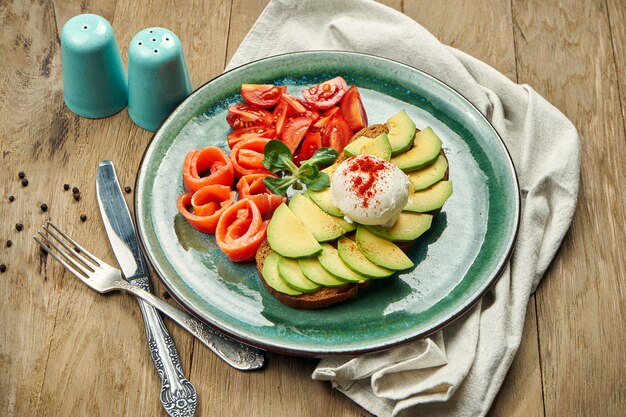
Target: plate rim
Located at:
point(307, 352)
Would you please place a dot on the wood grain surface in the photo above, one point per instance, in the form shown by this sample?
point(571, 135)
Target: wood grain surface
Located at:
point(65, 350)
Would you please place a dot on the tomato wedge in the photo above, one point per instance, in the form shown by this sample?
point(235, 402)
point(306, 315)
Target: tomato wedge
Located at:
point(250, 132)
point(246, 115)
point(262, 95)
point(282, 113)
point(247, 157)
point(337, 133)
point(295, 131)
point(211, 159)
point(208, 204)
point(240, 230)
point(252, 187)
point(324, 118)
point(352, 109)
point(311, 143)
point(326, 94)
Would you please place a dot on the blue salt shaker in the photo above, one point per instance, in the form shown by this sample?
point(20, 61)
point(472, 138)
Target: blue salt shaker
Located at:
point(158, 80)
point(94, 79)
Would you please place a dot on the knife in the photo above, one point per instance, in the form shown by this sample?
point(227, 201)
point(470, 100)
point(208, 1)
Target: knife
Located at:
point(121, 232)
point(178, 395)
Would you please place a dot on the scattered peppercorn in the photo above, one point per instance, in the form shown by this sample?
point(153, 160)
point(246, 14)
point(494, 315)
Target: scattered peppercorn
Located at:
point(11, 198)
point(44, 207)
point(9, 243)
point(83, 217)
point(76, 197)
point(19, 227)
point(75, 190)
point(24, 182)
point(21, 174)
point(66, 187)
point(3, 268)
point(128, 189)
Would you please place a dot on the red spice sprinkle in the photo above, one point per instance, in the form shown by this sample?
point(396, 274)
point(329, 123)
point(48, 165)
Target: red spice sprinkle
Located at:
point(369, 170)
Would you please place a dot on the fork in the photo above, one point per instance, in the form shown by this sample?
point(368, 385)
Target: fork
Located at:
point(103, 278)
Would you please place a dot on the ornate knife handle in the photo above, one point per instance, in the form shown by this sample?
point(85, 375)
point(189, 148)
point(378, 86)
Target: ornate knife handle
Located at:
point(178, 395)
point(236, 354)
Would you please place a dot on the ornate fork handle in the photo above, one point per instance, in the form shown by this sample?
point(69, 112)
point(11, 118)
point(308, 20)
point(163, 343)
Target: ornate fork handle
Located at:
point(238, 355)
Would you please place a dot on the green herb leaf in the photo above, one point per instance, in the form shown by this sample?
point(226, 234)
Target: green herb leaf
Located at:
point(323, 157)
point(319, 183)
point(279, 185)
point(278, 157)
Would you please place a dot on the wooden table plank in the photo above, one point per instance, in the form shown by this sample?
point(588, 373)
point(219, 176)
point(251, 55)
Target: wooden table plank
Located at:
point(569, 58)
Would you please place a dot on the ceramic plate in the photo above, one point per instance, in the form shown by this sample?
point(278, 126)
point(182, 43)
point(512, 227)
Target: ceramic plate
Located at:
point(457, 260)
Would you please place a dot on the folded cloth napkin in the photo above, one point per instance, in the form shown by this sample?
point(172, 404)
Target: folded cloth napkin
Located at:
point(458, 371)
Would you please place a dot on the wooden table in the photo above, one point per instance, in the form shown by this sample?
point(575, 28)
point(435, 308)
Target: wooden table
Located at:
point(65, 350)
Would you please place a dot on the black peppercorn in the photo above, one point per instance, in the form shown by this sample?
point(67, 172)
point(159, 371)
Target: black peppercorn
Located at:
point(75, 190)
point(3, 268)
point(66, 187)
point(44, 207)
point(19, 227)
point(9, 243)
point(76, 197)
point(24, 182)
point(21, 174)
point(11, 198)
point(128, 189)
point(83, 217)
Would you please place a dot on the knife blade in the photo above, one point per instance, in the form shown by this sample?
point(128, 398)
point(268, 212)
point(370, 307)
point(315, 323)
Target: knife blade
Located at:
point(178, 395)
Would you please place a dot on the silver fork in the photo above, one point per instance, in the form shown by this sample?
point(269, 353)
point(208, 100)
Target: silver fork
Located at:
point(103, 278)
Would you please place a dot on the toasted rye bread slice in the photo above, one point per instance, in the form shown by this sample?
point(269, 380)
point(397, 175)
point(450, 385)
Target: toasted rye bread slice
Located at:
point(324, 297)
point(327, 296)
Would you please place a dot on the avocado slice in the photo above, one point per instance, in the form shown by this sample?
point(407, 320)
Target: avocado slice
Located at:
point(318, 222)
point(272, 278)
point(432, 198)
point(430, 174)
point(407, 228)
point(381, 251)
point(347, 226)
point(354, 148)
point(313, 270)
point(287, 235)
point(401, 132)
point(379, 146)
point(355, 260)
point(426, 149)
point(323, 199)
point(330, 261)
point(289, 271)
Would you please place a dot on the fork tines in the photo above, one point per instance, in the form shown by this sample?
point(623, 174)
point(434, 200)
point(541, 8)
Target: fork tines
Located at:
point(72, 256)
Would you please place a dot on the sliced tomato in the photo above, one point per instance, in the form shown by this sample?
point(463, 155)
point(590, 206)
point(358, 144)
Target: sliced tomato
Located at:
point(295, 103)
point(247, 157)
point(250, 132)
point(262, 95)
point(295, 131)
point(311, 143)
point(352, 109)
point(207, 166)
point(252, 186)
point(240, 230)
point(203, 208)
point(281, 115)
point(337, 133)
point(246, 115)
point(326, 94)
point(324, 118)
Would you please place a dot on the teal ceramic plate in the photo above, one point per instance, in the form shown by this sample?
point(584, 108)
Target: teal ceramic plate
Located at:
point(458, 260)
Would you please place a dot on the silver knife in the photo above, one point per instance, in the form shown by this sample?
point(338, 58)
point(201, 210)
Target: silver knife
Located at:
point(119, 227)
point(178, 395)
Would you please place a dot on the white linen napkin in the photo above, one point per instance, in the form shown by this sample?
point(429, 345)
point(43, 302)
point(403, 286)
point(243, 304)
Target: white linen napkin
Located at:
point(458, 371)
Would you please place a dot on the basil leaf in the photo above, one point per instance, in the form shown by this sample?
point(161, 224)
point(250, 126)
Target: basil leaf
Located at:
point(320, 182)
